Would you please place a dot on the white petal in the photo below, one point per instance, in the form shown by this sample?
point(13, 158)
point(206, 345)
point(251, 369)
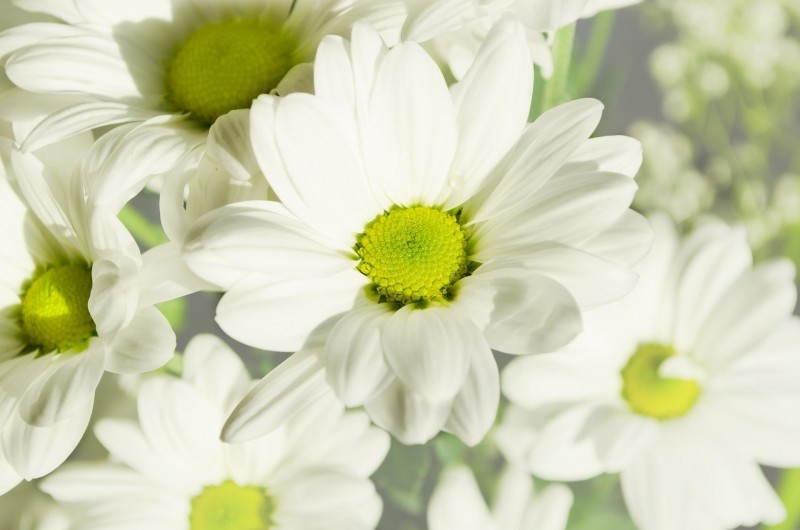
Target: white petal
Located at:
point(83, 117)
point(165, 276)
point(339, 501)
point(182, 427)
point(520, 312)
point(429, 19)
point(475, 407)
point(282, 393)
point(127, 444)
point(280, 316)
point(90, 63)
point(407, 416)
point(430, 350)
point(513, 494)
point(550, 509)
point(354, 361)
point(36, 451)
point(145, 344)
point(611, 154)
point(556, 379)
point(543, 148)
point(488, 125)
point(227, 244)
point(564, 210)
point(327, 190)
point(412, 128)
point(8, 477)
point(229, 145)
point(64, 389)
point(457, 503)
point(625, 242)
point(212, 367)
point(591, 280)
point(114, 298)
point(747, 312)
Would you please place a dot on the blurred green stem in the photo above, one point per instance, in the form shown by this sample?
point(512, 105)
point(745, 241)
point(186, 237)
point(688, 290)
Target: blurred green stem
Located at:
point(593, 56)
point(789, 491)
point(555, 89)
point(145, 231)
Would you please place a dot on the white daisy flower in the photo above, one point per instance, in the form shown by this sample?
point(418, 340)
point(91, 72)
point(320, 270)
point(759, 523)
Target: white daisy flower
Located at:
point(76, 295)
point(457, 502)
point(171, 471)
point(453, 30)
point(131, 61)
point(424, 226)
point(684, 387)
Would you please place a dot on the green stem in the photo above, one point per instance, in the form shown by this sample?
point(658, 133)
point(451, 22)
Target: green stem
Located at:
point(146, 232)
point(592, 59)
point(789, 491)
point(555, 90)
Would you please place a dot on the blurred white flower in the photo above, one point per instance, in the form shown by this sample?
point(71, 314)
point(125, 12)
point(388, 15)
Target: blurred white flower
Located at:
point(457, 502)
point(419, 226)
point(684, 387)
point(169, 469)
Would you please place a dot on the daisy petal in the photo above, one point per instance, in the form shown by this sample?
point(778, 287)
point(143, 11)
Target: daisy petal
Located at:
point(475, 407)
point(488, 131)
point(280, 316)
point(542, 149)
point(146, 343)
point(211, 366)
point(354, 360)
point(285, 391)
point(64, 389)
point(408, 417)
point(36, 451)
point(430, 350)
point(457, 503)
point(412, 128)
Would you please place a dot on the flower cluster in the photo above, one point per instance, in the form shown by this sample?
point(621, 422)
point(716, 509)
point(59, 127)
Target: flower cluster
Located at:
point(360, 184)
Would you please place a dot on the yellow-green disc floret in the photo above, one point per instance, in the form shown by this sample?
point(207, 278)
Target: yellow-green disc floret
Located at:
point(55, 309)
point(413, 254)
point(650, 394)
point(230, 506)
point(222, 67)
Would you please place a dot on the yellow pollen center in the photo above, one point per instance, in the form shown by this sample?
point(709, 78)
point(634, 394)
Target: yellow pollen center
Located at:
point(650, 394)
point(413, 254)
point(230, 506)
point(55, 309)
point(222, 67)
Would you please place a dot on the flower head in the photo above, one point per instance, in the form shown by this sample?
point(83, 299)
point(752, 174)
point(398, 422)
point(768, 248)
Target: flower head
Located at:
point(419, 227)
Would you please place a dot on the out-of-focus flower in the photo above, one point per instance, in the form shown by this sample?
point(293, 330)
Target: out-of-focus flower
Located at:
point(27, 508)
point(457, 502)
point(684, 387)
point(171, 471)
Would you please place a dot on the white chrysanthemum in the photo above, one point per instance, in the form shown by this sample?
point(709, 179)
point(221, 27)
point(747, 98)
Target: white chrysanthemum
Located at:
point(76, 294)
point(685, 387)
point(457, 502)
point(131, 61)
point(170, 471)
point(420, 227)
point(454, 30)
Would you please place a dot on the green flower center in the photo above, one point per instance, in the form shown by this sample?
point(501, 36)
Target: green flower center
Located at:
point(650, 394)
point(413, 255)
point(230, 506)
point(222, 67)
point(55, 309)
